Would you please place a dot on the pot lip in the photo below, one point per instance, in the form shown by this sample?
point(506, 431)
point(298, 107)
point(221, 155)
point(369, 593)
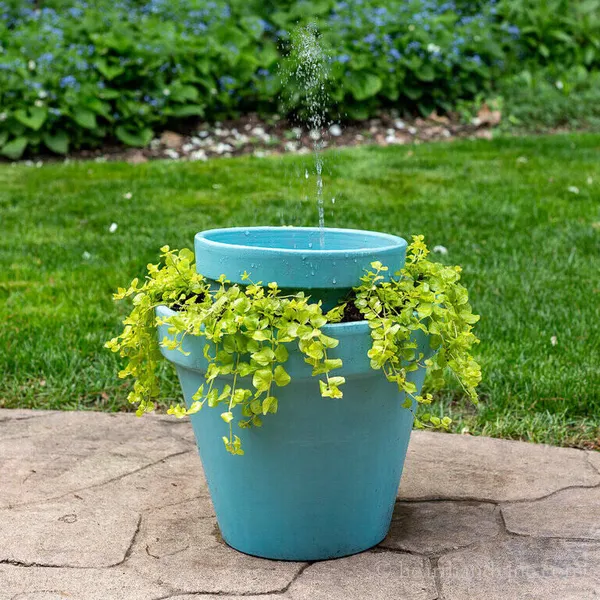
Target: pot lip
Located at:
point(354, 327)
point(395, 242)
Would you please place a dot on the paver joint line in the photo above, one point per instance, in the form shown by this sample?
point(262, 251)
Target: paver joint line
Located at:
point(588, 456)
point(552, 537)
point(131, 546)
point(23, 418)
point(27, 565)
point(169, 504)
point(433, 564)
point(496, 502)
point(472, 500)
point(382, 549)
point(549, 495)
point(179, 551)
point(278, 592)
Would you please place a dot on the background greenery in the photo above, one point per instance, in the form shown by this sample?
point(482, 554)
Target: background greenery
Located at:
point(76, 73)
point(521, 215)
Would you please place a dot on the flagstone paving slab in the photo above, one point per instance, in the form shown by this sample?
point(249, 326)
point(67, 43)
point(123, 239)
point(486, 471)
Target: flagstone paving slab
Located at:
point(433, 527)
point(68, 533)
point(522, 568)
point(548, 517)
point(372, 575)
point(97, 506)
point(184, 545)
point(57, 453)
point(490, 469)
point(46, 583)
point(174, 480)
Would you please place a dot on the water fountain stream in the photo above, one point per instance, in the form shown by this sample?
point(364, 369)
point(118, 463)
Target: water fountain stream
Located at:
point(307, 72)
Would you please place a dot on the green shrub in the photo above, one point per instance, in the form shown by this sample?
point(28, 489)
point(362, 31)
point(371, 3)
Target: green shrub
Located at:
point(414, 54)
point(81, 75)
point(547, 98)
point(74, 74)
point(563, 33)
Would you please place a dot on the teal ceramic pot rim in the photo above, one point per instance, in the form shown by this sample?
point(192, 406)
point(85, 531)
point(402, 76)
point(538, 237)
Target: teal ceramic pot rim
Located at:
point(355, 343)
point(381, 242)
point(292, 256)
point(331, 329)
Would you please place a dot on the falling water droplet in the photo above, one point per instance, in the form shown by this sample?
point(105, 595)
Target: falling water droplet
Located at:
point(306, 173)
point(246, 232)
point(312, 272)
point(334, 281)
point(319, 168)
point(310, 244)
point(333, 200)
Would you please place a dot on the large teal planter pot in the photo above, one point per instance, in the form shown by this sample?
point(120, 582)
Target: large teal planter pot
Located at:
point(319, 479)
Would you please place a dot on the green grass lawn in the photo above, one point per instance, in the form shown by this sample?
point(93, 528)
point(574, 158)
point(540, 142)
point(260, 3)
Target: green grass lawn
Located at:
point(530, 249)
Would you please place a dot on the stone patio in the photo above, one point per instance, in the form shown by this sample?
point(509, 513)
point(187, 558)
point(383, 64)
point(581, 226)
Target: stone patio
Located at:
point(101, 506)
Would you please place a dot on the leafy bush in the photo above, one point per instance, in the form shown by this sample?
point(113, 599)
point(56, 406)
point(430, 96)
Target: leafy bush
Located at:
point(75, 74)
point(406, 54)
point(547, 98)
point(563, 33)
point(83, 74)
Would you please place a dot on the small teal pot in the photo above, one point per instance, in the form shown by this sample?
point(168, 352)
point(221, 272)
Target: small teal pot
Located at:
point(319, 479)
point(294, 258)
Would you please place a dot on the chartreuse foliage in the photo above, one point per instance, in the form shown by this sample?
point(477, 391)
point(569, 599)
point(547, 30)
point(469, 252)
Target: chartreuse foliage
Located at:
point(425, 297)
point(249, 330)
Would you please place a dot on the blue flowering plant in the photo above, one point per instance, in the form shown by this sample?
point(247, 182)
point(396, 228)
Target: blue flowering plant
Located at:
point(101, 71)
point(422, 53)
point(75, 73)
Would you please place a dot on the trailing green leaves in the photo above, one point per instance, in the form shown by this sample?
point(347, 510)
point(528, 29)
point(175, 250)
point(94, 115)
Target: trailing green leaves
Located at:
point(423, 297)
point(249, 331)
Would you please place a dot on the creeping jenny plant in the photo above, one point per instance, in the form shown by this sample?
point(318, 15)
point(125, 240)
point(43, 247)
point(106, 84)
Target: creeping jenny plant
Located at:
point(250, 328)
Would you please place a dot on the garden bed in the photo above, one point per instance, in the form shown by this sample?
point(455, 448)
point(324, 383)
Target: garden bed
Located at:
point(76, 75)
point(263, 137)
